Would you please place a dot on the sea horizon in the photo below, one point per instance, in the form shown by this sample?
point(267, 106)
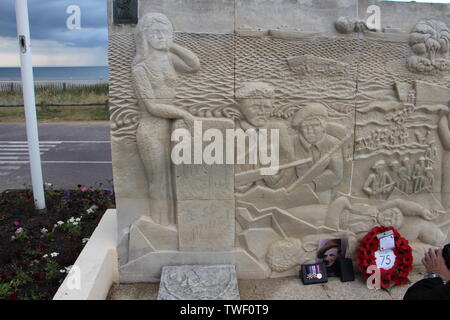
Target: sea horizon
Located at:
point(58, 73)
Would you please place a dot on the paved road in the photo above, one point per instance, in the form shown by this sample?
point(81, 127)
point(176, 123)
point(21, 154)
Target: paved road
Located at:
point(71, 154)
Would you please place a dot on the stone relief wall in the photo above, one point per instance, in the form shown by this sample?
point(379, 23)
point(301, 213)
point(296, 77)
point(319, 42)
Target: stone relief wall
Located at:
point(364, 141)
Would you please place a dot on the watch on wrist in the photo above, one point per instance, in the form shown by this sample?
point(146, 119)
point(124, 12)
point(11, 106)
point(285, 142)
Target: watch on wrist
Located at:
point(432, 275)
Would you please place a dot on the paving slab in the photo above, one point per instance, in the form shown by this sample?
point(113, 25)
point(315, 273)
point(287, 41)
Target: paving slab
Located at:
point(280, 289)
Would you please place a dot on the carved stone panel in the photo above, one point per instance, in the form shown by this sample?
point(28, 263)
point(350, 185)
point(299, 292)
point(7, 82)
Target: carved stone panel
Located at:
point(357, 118)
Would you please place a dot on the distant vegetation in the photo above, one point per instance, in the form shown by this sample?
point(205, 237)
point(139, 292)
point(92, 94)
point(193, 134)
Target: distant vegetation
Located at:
point(57, 93)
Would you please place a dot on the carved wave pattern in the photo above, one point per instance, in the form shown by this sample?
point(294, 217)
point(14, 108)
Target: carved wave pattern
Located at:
point(124, 110)
point(213, 86)
point(265, 59)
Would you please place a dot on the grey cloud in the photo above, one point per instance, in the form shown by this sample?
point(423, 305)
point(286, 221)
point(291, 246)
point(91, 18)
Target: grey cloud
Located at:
point(48, 21)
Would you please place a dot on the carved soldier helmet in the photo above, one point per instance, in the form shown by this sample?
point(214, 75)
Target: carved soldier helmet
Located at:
point(394, 163)
point(310, 110)
point(379, 164)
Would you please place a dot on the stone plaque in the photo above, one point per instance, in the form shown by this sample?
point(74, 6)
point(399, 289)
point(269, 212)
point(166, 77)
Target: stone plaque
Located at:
point(206, 225)
point(199, 283)
point(125, 11)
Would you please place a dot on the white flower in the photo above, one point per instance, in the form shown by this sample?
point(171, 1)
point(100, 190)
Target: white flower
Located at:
point(54, 254)
point(84, 240)
point(45, 256)
point(13, 238)
point(19, 230)
point(75, 223)
point(62, 270)
point(89, 211)
point(60, 222)
point(44, 230)
point(78, 219)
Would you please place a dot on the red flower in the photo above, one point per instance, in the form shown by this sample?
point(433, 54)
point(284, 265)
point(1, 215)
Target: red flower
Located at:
point(13, 297)
point(4, 277)
point(42, 246)
point(386, 281)
point(37, 276)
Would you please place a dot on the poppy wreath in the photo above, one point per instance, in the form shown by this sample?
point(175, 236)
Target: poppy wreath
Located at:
point(365, 257)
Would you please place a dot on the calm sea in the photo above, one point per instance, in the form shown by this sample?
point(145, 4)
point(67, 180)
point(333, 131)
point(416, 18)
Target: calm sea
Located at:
point(58, 73)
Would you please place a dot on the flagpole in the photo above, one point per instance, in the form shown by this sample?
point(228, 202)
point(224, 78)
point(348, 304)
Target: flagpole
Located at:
point(23, 34)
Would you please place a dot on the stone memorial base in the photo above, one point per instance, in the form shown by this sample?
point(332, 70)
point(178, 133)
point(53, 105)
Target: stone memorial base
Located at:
point(148, 268)
point(196, 282)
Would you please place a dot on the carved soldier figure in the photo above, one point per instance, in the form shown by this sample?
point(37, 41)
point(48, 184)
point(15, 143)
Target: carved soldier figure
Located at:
point(410, 218)
point(404, 136)
point(418, 175)
point(313, 141)
point(429, 177)
point(405, 175)
point(431, 153)
point(254, 101)
point(395, 169)
point(379, 184)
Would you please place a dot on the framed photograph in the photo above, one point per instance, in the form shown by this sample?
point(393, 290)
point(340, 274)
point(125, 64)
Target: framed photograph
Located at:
point(329, 252)
point(313, 273)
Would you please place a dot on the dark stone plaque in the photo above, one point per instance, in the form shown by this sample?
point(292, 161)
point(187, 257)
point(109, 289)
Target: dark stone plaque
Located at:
point(125, 11)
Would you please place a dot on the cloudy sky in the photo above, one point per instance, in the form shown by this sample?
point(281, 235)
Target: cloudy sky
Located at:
point(53, 44)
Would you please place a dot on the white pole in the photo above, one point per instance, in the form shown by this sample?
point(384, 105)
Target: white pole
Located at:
point(23, 33)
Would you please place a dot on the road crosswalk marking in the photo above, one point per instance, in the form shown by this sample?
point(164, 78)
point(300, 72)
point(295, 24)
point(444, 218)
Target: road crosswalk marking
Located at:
point(16, 152)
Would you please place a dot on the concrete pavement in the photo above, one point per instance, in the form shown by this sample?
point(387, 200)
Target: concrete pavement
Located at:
point(71, 154)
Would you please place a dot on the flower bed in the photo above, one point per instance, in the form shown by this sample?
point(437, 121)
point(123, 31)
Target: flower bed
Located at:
point(38, 249)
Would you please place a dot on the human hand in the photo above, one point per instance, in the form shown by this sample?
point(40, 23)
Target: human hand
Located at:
point(434, 263)
point(428, 214)
point(189, 121)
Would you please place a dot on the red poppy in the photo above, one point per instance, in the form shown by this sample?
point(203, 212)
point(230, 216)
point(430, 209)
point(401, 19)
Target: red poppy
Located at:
point(386, 281)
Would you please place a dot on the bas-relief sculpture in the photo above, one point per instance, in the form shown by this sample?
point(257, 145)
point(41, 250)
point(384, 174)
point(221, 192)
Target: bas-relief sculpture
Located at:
point(363, 142)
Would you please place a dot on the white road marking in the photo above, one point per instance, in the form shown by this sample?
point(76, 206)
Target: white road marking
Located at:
point(16, 153)
point(54, 142)
point(15, 146)
point(58, 162)
point(11, 149)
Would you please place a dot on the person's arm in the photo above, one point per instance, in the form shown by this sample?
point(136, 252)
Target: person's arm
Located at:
point(433, 288)
point(184, 60)
point(428, 289)
point(332, 175)
point(366, 187)
point(408, 208)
